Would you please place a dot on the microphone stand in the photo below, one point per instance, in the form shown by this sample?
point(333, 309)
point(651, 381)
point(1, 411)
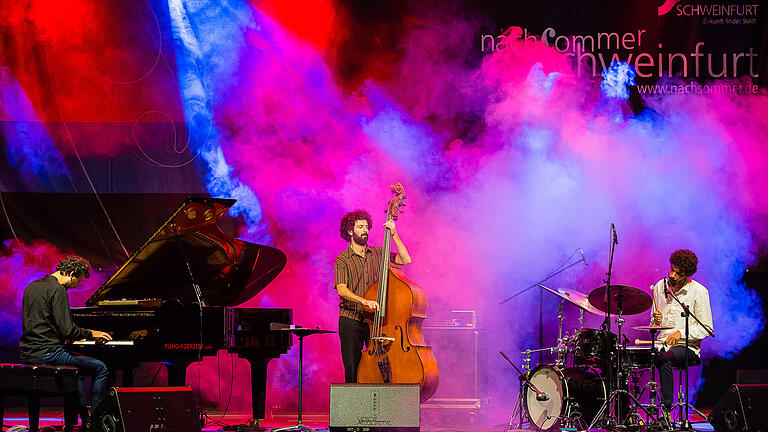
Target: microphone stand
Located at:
point(524, 381)
point(613, 394)
point(607, 323)
point(538, 283)
point(685, 423)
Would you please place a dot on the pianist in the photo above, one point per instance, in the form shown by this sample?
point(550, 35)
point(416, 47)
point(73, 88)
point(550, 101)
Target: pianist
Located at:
point(47, 323)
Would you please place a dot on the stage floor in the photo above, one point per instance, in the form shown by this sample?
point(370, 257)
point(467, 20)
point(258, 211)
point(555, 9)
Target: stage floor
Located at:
point(218, 420)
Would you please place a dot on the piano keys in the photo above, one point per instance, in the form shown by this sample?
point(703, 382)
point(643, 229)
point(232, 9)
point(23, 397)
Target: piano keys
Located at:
point(102, 343)
point(182, 286)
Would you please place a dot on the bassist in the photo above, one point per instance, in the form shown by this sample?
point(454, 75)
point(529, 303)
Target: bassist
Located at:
point(357, 268)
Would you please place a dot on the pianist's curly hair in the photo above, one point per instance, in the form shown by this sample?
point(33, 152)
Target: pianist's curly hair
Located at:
point(348, 223)
point(685, 260)
point(74, 266)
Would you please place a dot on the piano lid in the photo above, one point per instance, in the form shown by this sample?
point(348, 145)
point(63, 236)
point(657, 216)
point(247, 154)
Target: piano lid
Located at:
point(229, 271)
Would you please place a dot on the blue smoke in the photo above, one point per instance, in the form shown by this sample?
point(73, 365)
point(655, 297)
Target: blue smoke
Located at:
point(616, 78)
point(209, 37)
point(414, 146)
point(29, 147)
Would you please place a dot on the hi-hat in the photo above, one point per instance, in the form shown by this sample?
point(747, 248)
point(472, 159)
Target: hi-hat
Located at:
point(632, 300)
point(576, 298)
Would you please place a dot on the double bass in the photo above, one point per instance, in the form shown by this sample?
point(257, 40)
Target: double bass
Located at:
point(396, 351)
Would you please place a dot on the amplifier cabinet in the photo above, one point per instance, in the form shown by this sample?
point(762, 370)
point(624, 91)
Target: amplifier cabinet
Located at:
point(461, 355)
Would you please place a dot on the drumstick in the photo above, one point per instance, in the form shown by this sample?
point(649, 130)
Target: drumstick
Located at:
point(655, 306)
point(647, 342)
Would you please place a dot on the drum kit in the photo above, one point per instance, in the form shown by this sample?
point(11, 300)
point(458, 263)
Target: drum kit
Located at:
point(594, 381)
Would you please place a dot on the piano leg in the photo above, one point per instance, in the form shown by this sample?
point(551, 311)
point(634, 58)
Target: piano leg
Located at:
point(177, 373)
point(128, 376)
point(33, 410)
point(258, 385)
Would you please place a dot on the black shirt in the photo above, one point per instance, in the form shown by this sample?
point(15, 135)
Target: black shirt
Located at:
point(47, 318)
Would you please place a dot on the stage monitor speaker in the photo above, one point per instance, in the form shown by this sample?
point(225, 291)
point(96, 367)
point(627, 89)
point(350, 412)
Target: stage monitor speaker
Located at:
point(744, 408)
point(374, 408)
point(143, 409)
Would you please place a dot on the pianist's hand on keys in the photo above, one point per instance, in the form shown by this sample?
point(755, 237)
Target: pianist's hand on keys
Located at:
point(96, 334)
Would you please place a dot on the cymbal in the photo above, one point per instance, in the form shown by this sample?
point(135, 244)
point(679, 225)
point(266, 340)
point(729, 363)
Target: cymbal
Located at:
point(652, 328)
point(576, 298)
point(633, 300)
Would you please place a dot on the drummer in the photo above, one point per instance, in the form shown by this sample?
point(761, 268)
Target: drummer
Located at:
point(667, 312)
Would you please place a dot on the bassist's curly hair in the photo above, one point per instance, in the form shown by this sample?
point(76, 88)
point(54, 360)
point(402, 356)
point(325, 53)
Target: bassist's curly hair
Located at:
point(348, 223)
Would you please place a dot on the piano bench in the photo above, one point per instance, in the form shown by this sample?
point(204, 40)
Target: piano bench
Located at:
point(35, 381)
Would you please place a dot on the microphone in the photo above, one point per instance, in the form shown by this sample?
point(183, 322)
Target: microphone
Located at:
point(583, 258)
point(666, 290)
point(541, 396)
point(615, 237)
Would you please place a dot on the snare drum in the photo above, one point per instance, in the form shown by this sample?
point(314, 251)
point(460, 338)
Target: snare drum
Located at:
point(637, 357)
point(591, 347)
point(574, 396)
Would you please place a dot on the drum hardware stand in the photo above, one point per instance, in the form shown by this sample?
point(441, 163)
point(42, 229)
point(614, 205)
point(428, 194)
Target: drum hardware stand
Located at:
point(560, 344)
point(527, 365)
point(607, 324)
point(524, 381)
point(607, 404)
point(615, 392)
point(685, 423)
point(541, 295)
point(651, 386)
point(652, 422)
point(635, 378)
point(653, 405)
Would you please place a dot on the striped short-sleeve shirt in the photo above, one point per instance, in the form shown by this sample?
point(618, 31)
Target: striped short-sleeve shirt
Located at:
point(357, 273)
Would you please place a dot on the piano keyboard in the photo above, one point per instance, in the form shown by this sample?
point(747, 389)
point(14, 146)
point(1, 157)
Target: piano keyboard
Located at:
point(105, 343)
point(132, 302)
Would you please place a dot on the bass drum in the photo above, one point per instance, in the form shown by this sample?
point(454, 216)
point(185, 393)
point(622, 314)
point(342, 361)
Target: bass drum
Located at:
point(575, 395)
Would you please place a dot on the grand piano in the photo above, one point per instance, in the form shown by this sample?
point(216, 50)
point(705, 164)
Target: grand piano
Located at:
point(181, 286)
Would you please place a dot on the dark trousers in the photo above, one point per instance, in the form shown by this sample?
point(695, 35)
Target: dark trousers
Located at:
point(92, 367)
point(666, 361)
point(352, 335)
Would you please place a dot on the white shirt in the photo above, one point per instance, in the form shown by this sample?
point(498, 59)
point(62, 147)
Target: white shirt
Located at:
point(693, 295)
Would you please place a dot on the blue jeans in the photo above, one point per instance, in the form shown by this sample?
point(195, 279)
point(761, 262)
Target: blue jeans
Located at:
point(89, 366)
